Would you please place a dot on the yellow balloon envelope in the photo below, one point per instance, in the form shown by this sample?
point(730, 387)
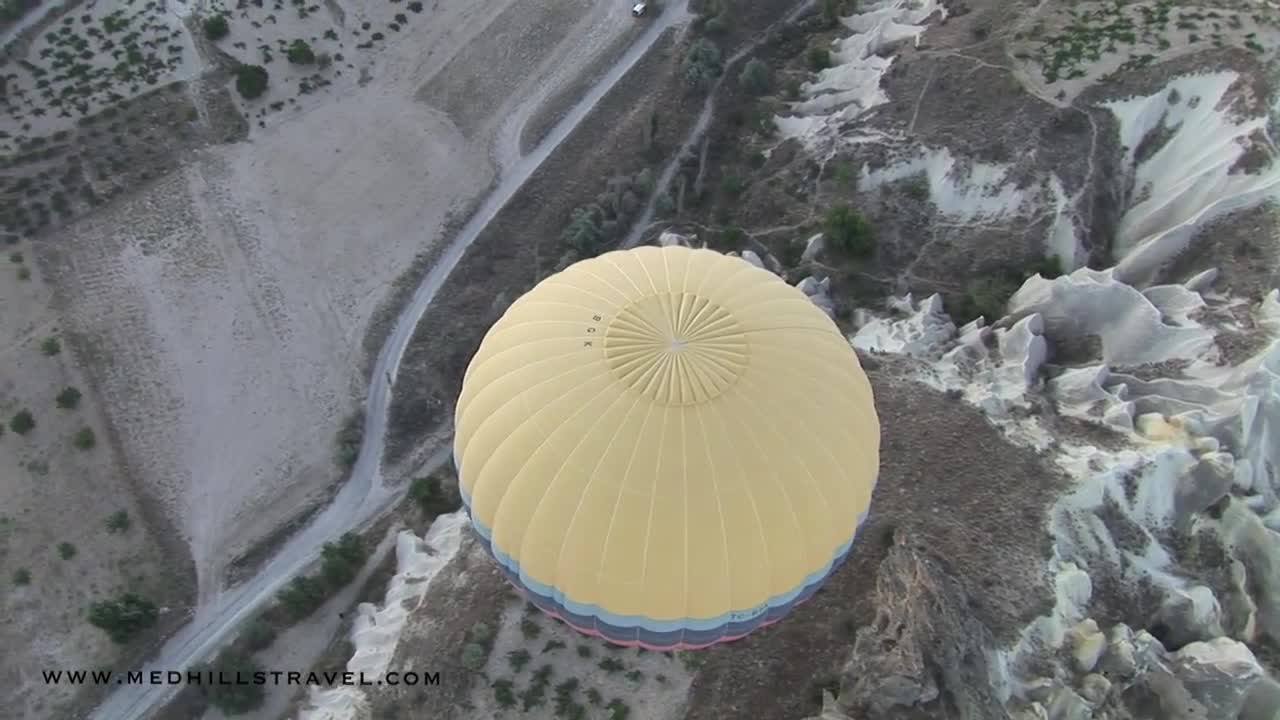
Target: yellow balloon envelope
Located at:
point(666, 447)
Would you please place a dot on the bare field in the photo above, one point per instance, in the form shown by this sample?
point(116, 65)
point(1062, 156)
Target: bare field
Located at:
point(217, 311)
point(58, 553)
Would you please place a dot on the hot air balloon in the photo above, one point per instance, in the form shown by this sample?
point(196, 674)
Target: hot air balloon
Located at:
point(666, 447)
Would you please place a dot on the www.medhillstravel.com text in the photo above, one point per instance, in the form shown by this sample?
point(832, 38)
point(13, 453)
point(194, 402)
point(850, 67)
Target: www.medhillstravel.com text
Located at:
point(218, 677)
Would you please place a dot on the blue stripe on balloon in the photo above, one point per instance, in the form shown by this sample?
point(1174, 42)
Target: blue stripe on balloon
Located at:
point(649, 631)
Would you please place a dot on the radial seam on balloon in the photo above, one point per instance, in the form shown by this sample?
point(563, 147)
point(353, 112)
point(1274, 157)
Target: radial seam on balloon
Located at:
point(617, 501)
point(530, 416)
point(639, 260)
point(724, 277)
point(715, 488)
point(805, 378)
point(602, 259)
point(609, 302)
point(653, 496)
point(684, 526)
point(460, 413)
point(795, 518)
point(717, 411)
point(554, 581)
point(595, 471)
point(525, 463)
point(627, 297)
point(485, 360)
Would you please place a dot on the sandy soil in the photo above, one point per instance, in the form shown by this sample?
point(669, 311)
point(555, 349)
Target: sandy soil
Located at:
point(54, 493)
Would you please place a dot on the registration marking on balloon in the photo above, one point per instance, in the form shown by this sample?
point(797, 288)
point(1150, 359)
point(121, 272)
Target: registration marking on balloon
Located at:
point(593, 330)
point(752, 614)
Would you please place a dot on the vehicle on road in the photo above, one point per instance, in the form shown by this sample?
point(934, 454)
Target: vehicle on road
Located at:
point(639, 9)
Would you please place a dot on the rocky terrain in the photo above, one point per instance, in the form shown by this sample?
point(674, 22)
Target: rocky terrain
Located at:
point(1058, 260)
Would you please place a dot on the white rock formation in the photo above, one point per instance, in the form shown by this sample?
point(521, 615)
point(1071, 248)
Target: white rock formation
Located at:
point(376, 630)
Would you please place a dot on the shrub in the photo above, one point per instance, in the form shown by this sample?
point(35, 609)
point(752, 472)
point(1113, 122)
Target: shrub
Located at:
point(234, 698)
point(215, 27)
point(611, 665)
point(530, 628)
point(341, 561)
point(22, 576)
point(819, 58)
point(258, 635)
point(551, 646)
point(594, 697)
point(518, 659)
point(618, 710)
point(24, 273)
point(585, 232)
point(302, 596)
point(251, 81)
point(702, 65)
point(349, 439)
point(22, 422)
point(503, 694)
point(755, 77)
point(431, 498)
point(849, 231)
point(68, 398)
point(481, 633)
point(1048, 268)
point(118, 522)
point(124, 618)
point(84, 439)
point(584, 651)
point(473, 656)
point(51, 346)
point(987, 297)
point(300, 53)
point(66, 550)
point(664, 205)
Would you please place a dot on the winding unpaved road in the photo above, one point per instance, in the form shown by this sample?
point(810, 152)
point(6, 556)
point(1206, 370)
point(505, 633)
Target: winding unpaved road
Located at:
point(364, 495)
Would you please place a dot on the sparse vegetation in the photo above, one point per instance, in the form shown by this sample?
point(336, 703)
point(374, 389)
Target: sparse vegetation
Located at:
point(819, 58)
point(552, 646)
point(118, 522)
point(430, 496)
point(584, 651)
point(755, 77)
point(849, 232)
point(611, 665)
point(21, 576)
point(124, 618)
point(504, 694)
point(474, 656)
point(233, 698)
point(349, 439)
point(68, 398)
point(340, 562)
point(702, 65)
point(251, 81)
point(618, 710)
point(518, 659)
point(215, 27)
point(22, 422)
point(84, 439)
point(51, 346)
point(258, 635)
point(530, 628)
point(300, 53)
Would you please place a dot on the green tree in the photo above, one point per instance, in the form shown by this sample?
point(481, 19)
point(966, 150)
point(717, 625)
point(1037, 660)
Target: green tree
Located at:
point(474, 656)
point(22, 576)
point(215, 27)
point(68, 398)
point(702, 64)
point(51, 346)
point(847, 230)
point(258, 635)
point(341, 561)
point(234, 698)
point(755, 77)
point(124, 618)
point(85, 439)
point(22, 422)
point(431, 497)
point(118, 522)
point(66, 550)
point(300, 53)
point(302, 596)
point(251, 81)
point(819, 58)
